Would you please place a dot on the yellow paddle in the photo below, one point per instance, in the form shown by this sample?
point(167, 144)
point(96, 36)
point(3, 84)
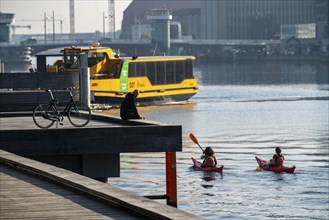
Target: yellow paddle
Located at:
point(195, 140)
point(259, 169)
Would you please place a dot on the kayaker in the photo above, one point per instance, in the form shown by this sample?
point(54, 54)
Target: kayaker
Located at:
point(277, 159)
point(209, 158)
point(128, 108)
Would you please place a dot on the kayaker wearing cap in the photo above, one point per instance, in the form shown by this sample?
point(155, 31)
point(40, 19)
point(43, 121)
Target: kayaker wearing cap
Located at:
point(209, 158)
point(277, 159)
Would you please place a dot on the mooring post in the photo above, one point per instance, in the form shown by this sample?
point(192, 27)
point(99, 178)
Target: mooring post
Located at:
point(84, 80)
point(2, 67)
point(171, 179)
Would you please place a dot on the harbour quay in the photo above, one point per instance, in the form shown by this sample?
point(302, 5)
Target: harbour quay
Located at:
point(91, 155)
point(35, 190)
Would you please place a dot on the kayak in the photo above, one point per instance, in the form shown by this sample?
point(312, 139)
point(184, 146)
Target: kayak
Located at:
point(277, 169)
point(198, 167)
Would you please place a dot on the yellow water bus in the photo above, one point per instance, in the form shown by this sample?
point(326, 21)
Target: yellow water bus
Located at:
point(160, 79)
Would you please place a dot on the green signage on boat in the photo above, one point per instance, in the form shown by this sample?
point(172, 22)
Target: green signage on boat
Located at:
point(124, 77)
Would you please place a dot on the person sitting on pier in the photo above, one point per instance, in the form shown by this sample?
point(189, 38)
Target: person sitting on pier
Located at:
point(209, 158)
point(128, 108)
point(277, 159)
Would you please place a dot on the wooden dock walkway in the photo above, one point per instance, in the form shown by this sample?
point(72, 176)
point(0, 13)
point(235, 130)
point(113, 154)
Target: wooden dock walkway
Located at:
point(26, 197)
point(33, 190)
point(26, 122)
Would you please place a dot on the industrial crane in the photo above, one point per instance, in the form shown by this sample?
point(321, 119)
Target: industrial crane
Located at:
point(111, 11)
point(111, 18)
point(45, 20)
point(13, 27)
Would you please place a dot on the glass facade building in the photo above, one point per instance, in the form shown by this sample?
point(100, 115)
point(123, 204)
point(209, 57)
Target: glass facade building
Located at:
point(257, 19)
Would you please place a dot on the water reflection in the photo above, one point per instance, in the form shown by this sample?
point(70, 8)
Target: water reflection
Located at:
point(264, 72)
point(211, 176)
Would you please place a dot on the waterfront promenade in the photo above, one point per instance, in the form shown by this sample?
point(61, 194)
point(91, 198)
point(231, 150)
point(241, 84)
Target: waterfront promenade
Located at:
point(93, 150)
point(35, 190)
point(53, 173)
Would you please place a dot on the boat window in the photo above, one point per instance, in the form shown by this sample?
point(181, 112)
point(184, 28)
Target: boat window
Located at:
point(94, 58)
point(160, 73)
point(140, 69)
point(188, 69)
point(71, 61)
point(115, 70)
point(132, 70)
point(137, 69)
point(151, 72)
point(180, 71)
point(170, 72)
point(120, 69)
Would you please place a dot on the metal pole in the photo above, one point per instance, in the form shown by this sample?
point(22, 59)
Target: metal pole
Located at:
point(53, 26)
point(139, 29)
point(103, 24)
point(2, 67)
point(45, 26)
point(84, 80)
point(171, 179)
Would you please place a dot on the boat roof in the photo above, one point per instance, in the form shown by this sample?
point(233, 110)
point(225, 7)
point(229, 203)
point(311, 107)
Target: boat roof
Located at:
point(51, 52)
point(158, 58)
point(58, 51)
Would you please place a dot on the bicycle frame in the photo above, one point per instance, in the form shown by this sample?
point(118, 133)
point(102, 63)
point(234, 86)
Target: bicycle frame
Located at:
point(54, 103)
point(78, 113)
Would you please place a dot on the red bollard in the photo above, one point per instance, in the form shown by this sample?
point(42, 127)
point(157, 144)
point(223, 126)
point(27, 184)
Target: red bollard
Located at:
point(171, 179)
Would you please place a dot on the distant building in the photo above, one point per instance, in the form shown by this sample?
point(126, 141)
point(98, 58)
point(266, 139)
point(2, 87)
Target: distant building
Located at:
point(229, 19)
point(160, 24)
point(189, 19)
point(6, 19)
point(299, 31)
point(258, 19)
point(135, 25)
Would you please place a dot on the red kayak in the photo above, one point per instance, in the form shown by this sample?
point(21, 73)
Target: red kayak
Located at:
point(198, 167)
point(276, 169)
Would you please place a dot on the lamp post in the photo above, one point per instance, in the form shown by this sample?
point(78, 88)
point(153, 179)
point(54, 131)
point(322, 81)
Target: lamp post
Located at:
point(45, 27)
point(104, 24)
point(53, 17)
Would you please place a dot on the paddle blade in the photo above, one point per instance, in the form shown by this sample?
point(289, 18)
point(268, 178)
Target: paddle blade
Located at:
point(258, 169)
point(194, 139)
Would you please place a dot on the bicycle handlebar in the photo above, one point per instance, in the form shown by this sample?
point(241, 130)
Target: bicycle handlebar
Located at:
point(70, 89)
point(66, 88)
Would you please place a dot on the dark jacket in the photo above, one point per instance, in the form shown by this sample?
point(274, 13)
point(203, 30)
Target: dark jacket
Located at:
point(128, 108)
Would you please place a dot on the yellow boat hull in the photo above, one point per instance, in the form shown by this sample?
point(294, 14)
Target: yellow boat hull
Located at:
point(108, 91)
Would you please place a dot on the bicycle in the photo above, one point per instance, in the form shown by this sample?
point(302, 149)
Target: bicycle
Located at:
point(45, 115)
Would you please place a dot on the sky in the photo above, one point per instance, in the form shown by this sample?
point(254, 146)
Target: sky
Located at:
point(88, 14)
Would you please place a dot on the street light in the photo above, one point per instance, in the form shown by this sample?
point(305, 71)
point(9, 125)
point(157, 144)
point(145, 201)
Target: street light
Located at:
point(104, 24)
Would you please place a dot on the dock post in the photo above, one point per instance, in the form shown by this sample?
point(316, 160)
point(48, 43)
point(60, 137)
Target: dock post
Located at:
point(171, 179)
point(84, 80)
point(2, 67)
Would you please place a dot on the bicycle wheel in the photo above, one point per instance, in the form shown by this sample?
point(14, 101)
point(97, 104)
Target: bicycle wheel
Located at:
point(79, 114)
point(42, 114)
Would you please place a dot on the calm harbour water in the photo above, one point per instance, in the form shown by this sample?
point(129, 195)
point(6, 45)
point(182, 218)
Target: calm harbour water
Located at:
point(243, 110)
